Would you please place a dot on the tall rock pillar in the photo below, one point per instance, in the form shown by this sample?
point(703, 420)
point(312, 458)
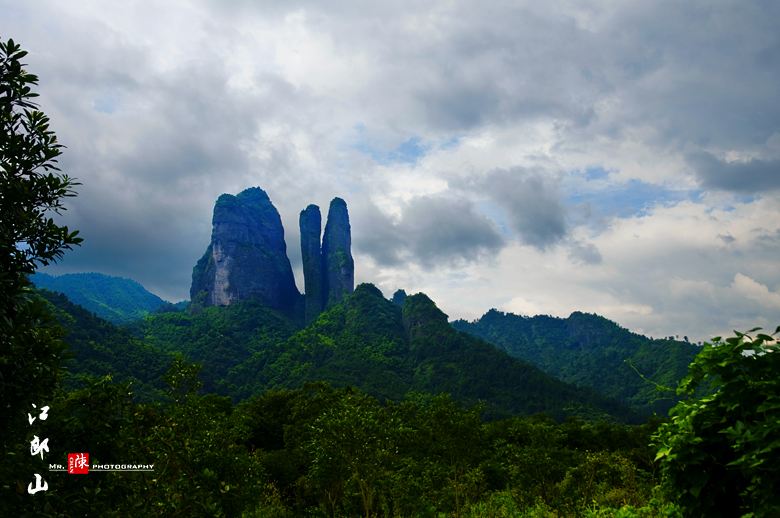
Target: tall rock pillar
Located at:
point(247, 256)
point(337, 264)
point(311, 254)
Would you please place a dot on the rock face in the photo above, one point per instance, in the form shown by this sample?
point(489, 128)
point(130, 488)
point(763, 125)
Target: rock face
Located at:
point(399, 297)
point(314, 281)
point(247, 257)
point(338, 266)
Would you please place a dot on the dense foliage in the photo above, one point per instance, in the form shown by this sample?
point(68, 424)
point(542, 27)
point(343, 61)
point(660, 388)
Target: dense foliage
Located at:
point(219, 338)
point(720, 453)
point(320, 451)
point(591, 351)
point(98, 348)
point(115, 299)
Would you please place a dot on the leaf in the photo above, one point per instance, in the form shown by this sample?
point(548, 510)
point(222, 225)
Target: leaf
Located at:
point(663, 452)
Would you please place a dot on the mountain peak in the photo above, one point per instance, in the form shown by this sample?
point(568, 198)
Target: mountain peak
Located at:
point(399, 297)
point(421, 315)
point(368, 288)
point(253, 193)
point(247, 256)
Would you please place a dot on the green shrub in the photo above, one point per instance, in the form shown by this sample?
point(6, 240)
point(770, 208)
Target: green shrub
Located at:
point(720, 453)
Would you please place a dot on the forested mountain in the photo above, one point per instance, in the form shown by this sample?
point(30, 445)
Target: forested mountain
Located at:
point(591, 351)
point(318, 450)
point(97, 347)
point(115, 299)
point(247, 346)
point(218, 337)
point(365, 341)
point(369, 342)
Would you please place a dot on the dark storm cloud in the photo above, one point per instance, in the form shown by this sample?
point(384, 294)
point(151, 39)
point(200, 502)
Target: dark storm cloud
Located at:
point(377, 235)
point(692, 74)
point(184, 126)
point(532, 201)
point(485, 71)
point(753, 176)
point(118, 242)
point(713, 70)
point(431, 230)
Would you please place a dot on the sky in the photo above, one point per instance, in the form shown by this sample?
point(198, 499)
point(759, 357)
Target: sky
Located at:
point(619, 158)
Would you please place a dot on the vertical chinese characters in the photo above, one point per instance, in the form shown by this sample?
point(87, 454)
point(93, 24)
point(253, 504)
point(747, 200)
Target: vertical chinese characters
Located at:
point(38, 447)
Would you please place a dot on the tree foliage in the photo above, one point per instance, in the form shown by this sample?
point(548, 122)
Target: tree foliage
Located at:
point(720, 453)
point(31, 190)
point(31, 186)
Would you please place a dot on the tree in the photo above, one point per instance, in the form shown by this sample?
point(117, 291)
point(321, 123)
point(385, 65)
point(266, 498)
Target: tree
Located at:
point(31, 186)
point(720, 453)
point(31, 190)
point(350, 447)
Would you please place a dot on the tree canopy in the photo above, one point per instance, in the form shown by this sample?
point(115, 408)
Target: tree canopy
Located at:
point(31, 184)
point(32, 189)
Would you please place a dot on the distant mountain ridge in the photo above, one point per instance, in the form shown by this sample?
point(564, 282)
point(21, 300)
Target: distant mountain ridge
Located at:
point(591, 351)
point(116, 299)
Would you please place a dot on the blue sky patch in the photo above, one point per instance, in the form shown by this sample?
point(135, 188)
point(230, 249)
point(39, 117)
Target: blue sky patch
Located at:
point(595, 173)
point(410, 151)
point(498, 216)
point(631, 198)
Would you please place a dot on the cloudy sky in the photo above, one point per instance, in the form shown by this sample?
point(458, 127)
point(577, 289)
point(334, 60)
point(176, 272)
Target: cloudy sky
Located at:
point(613, 157)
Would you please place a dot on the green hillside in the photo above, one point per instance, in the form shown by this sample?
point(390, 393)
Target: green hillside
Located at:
point(98, 348)
point(115, 299)
point(365, 342)
point(388, 351)
point(591, 351)
point(218, 337)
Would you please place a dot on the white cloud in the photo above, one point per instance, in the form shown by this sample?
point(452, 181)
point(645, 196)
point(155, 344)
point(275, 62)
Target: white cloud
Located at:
point(755, 291)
